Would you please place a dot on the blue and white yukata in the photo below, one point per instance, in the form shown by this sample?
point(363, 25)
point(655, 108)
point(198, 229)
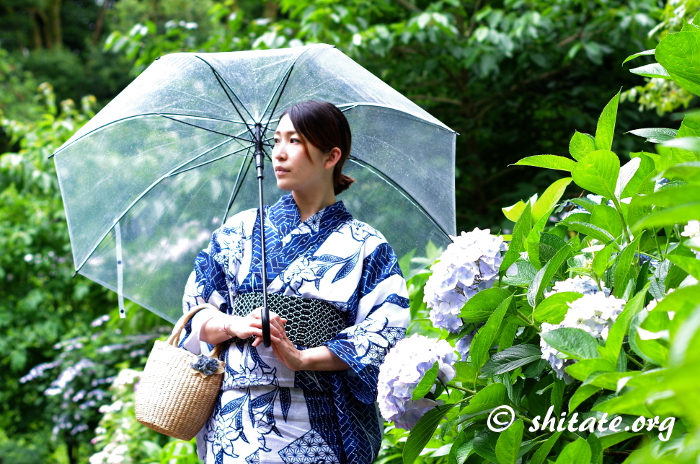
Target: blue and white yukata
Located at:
point(266, 412)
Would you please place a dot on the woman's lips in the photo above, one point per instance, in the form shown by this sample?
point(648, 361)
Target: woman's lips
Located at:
point(280, 171)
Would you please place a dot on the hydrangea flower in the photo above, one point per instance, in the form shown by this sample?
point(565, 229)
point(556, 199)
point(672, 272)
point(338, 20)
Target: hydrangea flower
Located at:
point(402, 370)
point(468, 265)
point(594, 313)
point(581, 284)
point(692, 231)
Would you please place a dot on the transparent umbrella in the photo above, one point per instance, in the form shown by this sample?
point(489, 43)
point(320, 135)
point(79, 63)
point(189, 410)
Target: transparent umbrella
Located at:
point(146, 181)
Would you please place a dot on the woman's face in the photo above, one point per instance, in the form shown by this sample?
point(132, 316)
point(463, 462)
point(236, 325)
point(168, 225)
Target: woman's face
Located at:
point(294, 169)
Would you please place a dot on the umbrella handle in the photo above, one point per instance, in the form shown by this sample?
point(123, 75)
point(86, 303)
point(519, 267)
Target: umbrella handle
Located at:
point(265, 317)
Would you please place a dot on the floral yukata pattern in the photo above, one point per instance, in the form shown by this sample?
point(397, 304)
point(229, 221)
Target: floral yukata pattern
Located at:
point(267, 412)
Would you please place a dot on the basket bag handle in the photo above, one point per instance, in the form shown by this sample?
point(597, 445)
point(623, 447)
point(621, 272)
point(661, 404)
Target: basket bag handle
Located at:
point(174, 338)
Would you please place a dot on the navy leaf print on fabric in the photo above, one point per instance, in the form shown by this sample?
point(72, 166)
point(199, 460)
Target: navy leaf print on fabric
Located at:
point(286, 400)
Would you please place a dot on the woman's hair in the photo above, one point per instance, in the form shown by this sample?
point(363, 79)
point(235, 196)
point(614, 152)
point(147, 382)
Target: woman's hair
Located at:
point(325, 127)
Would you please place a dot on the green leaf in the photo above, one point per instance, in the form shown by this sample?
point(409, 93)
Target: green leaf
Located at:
point(485, 399)
point(510, 359)
point(465, 372)
point(426, 383)
point(486, 336)
point(583, 369)
point(671, 196)
point(520, 273)
point(514, 212)
point(517, 244)
point(644, 53)
point(482, 305)
point(598, 173)
point(548, 162)
point(623, 268)
point(688, 264)
point(544, 276)
point(423, 432)
point(689, 172)
point(651, 70)
point(485, 446)
point(689, 144)
point(596, 449)
point(462, 447)
point(542, 452)
point(669, 216)
point(578, 452)
point(606, 218)
point(581, 145)
point(508, 444)
point(554, 307)
point(655, 134)
point(678, 54)
point(620, 327)
point(601, 260)
point(582, 394)
point(641, 181)
point(591, 230)
point(605, 129)
point(576, 343)
point(550, 198)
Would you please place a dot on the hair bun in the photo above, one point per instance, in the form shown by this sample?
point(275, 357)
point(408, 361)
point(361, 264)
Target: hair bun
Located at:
point(342, 183)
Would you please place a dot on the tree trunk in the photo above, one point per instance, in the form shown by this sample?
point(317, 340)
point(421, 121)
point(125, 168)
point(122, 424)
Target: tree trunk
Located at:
point(100, 21)
point(54, 10)
point(271, 9)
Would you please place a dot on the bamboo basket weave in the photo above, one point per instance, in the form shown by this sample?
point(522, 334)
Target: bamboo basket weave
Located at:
point(173, 398)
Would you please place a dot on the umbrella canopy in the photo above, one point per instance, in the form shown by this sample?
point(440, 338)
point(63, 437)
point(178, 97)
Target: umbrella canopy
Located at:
point(146, 181)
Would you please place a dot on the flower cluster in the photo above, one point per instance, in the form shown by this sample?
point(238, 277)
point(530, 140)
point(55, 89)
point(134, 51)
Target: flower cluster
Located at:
point(468, 265)
point(404, 367)
point(594, 312)
point(205, 365)
point(692, 231)
point(581, 284)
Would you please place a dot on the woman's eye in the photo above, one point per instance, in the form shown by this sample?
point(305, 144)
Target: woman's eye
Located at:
point(293, 140)
point(277, 141)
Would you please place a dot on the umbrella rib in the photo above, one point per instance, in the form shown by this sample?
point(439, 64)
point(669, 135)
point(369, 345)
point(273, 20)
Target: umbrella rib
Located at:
point(348, 106)
point(225, 86)
point(279, 91)
point(204, 128)
point(141, 195)
point(400, 189)
point(135, 116)
point(208, 162)
point(238, 184)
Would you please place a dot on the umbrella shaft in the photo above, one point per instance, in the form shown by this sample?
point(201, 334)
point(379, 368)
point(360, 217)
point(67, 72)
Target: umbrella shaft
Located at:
point(259, 160)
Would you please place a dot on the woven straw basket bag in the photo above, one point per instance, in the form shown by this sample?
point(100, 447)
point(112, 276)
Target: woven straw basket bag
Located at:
point(173, 398)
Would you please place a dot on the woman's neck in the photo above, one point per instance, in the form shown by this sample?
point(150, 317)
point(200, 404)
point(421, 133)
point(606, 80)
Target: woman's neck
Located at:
point(310, 204)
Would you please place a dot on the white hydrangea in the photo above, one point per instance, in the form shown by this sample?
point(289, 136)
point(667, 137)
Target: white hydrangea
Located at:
point(581, 284)
point(468, 265)
point(594, 313)
point(692, 231)
point(403, 368)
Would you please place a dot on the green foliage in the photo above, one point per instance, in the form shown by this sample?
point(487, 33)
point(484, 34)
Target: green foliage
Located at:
point(120, 438)
point(630, 236)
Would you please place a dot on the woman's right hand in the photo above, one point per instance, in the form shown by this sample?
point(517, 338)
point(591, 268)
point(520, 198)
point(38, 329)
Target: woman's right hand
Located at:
point(224, 327)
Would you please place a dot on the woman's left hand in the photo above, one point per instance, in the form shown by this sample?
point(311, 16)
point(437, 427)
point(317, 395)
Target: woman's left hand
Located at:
point(311, 359)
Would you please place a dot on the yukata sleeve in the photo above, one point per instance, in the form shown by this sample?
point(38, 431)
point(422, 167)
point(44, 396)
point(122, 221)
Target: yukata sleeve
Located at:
point(381, 322)
point(207, 283)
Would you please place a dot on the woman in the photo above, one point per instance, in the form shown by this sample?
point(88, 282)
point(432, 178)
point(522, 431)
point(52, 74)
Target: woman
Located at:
point(311, 398)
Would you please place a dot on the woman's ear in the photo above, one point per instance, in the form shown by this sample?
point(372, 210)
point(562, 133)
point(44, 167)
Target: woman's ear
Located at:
point(332, 158)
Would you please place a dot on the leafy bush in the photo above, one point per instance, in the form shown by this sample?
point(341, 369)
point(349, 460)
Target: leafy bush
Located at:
point(585, 347)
